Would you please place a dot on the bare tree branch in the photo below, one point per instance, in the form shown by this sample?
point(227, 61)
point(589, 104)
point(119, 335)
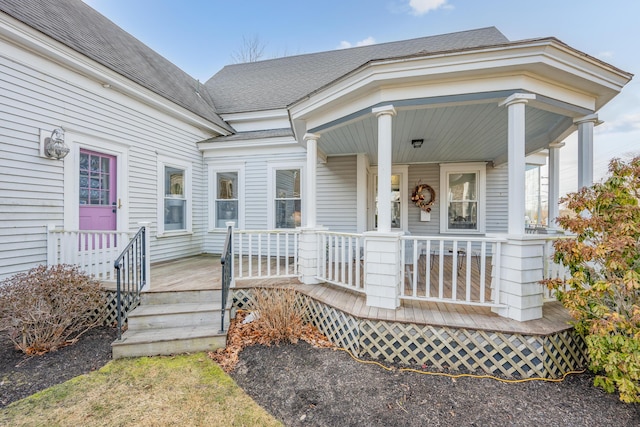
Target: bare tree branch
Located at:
point(251, 50)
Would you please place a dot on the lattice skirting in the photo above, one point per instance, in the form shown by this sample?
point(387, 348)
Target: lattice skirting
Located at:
point(129, 302)
point(495, 353)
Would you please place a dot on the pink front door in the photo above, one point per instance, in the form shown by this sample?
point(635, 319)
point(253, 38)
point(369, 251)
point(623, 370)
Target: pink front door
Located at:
point(97, 191)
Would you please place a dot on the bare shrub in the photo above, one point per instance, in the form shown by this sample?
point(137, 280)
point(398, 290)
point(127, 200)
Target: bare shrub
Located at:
point(48, 308)
point(279, 315)
point(278, 318)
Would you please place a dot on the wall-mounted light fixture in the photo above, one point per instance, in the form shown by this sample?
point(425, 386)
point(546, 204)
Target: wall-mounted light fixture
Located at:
point(417, 143)
point(54, 146)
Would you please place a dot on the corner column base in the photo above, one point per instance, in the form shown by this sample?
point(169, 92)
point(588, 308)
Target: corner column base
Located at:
point(308, 255)
point(382, 269)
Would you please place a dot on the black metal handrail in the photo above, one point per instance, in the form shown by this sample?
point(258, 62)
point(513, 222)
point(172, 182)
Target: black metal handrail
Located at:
point(131, 268)
point(226, 259)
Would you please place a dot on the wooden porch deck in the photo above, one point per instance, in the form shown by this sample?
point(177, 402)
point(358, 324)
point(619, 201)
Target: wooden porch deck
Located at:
point(204, 272)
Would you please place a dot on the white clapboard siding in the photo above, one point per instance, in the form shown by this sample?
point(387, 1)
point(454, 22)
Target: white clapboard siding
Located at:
point(38, 94)
point(336, 196)
point(426, 174)
point(497, 200)
point(255, 195)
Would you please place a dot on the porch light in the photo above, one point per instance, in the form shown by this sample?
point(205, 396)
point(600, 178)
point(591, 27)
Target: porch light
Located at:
point(55, 146)
point(417, 143)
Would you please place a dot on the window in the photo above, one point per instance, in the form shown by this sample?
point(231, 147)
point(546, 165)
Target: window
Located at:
point(287, 201)
point(174, 197)
point(396, 204)
point(96, 178)
point(462, 208)
point(399, 216)
point(226, 199)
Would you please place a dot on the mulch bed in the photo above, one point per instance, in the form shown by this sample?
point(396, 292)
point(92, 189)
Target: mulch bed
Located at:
point(303, 385)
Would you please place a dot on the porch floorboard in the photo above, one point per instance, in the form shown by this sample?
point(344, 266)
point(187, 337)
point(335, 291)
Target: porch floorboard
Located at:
point(204, 271)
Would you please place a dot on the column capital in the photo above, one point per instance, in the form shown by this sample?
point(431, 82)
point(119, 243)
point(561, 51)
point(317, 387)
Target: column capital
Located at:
point(517, 98)
point(557, 144)
point(591, 118)
point(311, 136)
point(384, 110)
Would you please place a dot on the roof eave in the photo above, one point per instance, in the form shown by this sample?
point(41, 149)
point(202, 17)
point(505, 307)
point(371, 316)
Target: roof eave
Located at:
point(617, 77)
point(38, 42)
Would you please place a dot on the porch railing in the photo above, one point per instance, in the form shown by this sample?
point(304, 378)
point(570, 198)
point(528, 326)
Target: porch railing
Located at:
point(265, 253)
point(226, 259)
point(341, 259)
point(131, 276)
point(464, 270)
point(552, 270)
point(92, 251)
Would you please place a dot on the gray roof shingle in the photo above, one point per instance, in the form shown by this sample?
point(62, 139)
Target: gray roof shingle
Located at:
point(277, 83)
point(83, 29)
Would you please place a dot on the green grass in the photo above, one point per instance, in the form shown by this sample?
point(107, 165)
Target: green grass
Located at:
point(186, 390)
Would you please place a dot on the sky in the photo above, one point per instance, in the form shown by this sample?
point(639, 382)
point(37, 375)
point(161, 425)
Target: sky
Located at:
point(202, 36)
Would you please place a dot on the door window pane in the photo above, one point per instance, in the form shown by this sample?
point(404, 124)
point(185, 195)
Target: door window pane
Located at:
point(95, 178)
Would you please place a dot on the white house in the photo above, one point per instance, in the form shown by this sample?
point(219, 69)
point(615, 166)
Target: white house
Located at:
point(309, 144)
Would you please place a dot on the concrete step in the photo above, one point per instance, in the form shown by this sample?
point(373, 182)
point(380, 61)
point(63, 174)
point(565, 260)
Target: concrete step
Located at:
point(179, 297)
point(175, 315)
point(165, 341)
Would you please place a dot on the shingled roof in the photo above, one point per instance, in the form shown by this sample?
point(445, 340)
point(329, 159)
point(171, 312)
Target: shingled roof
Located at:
point(277, 83)
point(83, 29)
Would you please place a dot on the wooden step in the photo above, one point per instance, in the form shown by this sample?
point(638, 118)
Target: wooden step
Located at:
point(175, 315)
point(181, 297)
point(174, 322)
point(165, 341)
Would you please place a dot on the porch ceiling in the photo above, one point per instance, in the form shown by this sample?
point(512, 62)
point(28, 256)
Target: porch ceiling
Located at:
point(476, 132)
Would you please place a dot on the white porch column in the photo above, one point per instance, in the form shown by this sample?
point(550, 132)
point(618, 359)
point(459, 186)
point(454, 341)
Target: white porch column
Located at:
point(308, 255)
point(362, 165)
point(554, 182)
point(385, 115)
point(585, 149)
point(308, 239)
point(521, 263)
point(310, 187)
point(382, 247)
point(516, 160)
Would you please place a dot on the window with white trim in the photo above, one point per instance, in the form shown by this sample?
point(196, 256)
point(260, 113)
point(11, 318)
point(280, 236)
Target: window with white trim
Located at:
point(463, 197)
point(174, 196)
point(226, 198)
point(399, 215)
point(287, 200)
point(226, 195)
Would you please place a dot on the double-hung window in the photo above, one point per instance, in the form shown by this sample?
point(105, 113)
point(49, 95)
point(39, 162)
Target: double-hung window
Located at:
point(463, 197)
point(226, 195)
point(174, 201)
point(226, 198)
point(287, 201)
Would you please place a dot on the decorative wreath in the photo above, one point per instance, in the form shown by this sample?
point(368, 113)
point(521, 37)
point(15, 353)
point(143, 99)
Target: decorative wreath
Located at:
point(423, 196)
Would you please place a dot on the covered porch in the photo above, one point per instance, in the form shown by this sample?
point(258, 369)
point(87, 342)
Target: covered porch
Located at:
point(471, 244)
point(462, 127)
